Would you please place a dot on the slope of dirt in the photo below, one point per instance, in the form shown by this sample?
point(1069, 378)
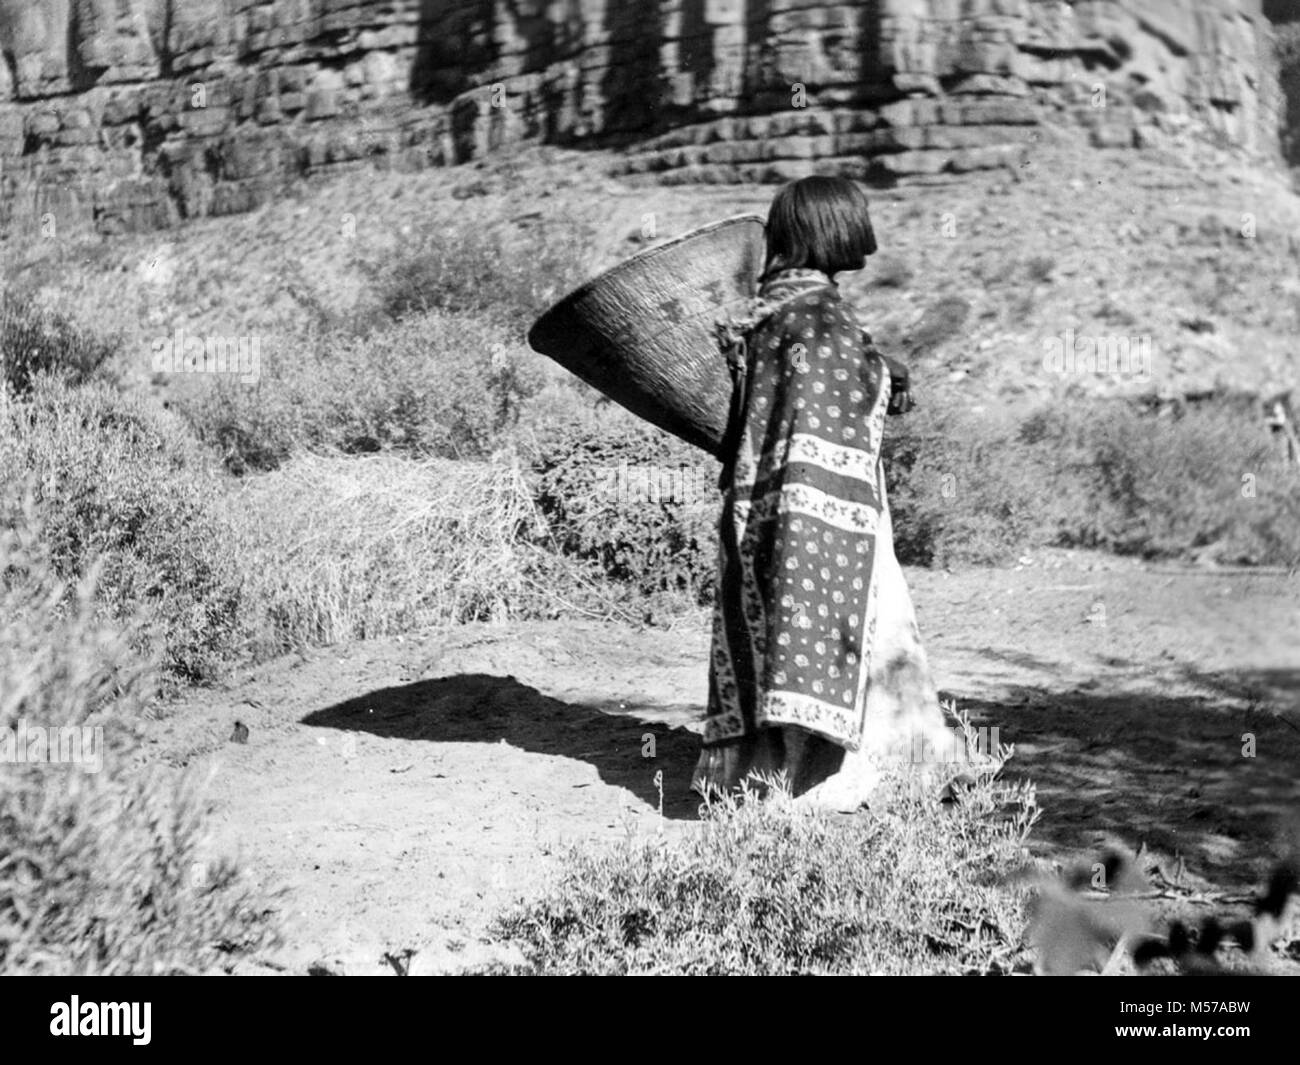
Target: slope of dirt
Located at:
point(404, 790)
point(977, 273)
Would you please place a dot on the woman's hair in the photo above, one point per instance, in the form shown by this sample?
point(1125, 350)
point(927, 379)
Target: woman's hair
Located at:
point(818, 223)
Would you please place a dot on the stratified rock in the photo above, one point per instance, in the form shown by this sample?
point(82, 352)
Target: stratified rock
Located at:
point(130, 114)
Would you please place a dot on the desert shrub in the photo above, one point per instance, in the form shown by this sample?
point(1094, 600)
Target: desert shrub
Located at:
point(35, 340)
point(1040, 268)
point(1077, 472)
point(961, 488)
point(638, 503)
point(114, 479)
point(890, 271)
point(103, 863)
point(1163, 486)
point(944, 320)
point(766, 888)
point(965, 488)
point(560, 407)
point(432, 385)
point(509, 275)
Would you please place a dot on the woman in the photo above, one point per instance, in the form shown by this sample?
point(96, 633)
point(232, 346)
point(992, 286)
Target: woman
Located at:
point(817, 668)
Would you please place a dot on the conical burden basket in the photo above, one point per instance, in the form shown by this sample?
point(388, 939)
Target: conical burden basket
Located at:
point(643, 331)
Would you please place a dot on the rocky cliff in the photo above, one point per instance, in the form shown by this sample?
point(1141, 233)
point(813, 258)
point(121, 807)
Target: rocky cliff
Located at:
point(130, 114)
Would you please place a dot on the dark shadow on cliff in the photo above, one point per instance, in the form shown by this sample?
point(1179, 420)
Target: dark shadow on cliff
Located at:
point(456, 45)
point(479, 708)
point(1285, 16)
point(632, 92)
point(7, 54)
point(743, 62)
point(456, 51)
point(452, 38)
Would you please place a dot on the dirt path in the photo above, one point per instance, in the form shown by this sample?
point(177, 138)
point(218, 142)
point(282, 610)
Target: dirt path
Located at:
point(404, 790)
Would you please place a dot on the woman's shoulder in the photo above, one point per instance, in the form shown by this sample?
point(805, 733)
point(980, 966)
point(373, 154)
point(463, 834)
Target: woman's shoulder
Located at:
point(822, 308)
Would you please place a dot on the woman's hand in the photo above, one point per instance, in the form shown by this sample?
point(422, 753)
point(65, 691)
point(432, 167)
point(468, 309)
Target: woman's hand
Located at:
point(900, 379)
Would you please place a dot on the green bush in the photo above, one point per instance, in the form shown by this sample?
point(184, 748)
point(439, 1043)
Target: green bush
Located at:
point(965, 488)
point(1164, 486)
point(961, 488)
point(506, 275)
point(34, 341)
point(767, 888)
point(636, 502)
point(1092, 473)
point(103, 868)
point(448, 386)
point(114, 480)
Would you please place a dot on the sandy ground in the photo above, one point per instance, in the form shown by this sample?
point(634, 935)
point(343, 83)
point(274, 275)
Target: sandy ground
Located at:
point(404, 790)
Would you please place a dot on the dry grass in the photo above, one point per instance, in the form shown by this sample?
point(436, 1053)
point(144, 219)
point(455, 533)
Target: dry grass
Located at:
point(348, 548)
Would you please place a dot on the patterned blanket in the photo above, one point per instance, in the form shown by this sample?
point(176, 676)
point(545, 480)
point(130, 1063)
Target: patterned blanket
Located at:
point(798, 600)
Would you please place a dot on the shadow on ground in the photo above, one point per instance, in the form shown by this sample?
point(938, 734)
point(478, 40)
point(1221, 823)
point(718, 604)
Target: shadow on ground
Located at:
point(1212, 779)
point(1207, 778)
point(480, 708)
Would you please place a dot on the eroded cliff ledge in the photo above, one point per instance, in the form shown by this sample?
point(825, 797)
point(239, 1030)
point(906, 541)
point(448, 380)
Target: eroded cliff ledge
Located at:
point(131, 114)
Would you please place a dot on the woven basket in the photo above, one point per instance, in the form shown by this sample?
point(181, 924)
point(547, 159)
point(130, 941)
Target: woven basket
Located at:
point(642, 332)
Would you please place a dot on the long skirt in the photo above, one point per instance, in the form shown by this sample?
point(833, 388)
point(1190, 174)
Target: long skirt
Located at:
point(903, 722)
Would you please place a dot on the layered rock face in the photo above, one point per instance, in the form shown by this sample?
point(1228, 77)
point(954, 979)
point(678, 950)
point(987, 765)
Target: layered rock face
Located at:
point(131, 114)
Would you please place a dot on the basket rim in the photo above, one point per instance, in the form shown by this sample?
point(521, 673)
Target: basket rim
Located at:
point(643, 256)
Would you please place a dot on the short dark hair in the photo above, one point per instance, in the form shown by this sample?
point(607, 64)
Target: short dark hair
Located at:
point(819, 223)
